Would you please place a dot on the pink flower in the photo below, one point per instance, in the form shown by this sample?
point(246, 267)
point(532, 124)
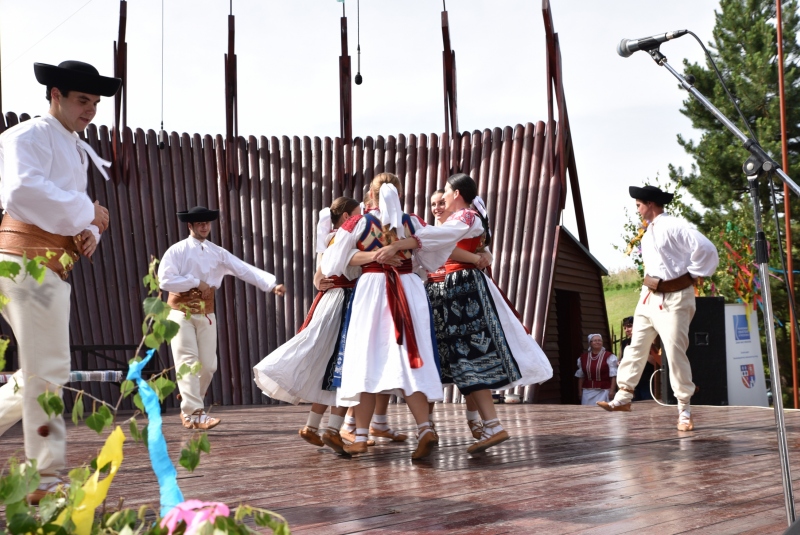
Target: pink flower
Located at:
point(195, 513)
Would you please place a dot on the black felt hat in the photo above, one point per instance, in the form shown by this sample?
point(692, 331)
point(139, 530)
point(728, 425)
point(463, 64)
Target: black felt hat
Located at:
point(198, 214)
point(650, 193)
point(628, 320)
point(76, 76)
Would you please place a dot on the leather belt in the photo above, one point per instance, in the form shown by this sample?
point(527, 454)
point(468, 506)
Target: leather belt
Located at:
point(22, 239)
point(674, 285)
point(191, 300)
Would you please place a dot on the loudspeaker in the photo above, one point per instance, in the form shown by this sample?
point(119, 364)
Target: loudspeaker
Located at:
point(706, 353)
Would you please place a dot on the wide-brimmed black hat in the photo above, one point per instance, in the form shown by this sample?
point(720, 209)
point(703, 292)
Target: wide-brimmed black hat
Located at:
point(650, 193)
point(76, 76)
point(198, 214)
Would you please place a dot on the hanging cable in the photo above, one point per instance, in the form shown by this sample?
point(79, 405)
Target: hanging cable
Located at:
point(162, 135)
point(359, 79)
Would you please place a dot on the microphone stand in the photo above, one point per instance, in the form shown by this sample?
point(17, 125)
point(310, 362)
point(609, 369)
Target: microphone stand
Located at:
point(757, 164)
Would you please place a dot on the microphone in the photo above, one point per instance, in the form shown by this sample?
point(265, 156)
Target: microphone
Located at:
point(627, 47)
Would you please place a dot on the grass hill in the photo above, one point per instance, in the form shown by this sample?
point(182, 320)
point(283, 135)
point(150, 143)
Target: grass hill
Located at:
point(621, 291)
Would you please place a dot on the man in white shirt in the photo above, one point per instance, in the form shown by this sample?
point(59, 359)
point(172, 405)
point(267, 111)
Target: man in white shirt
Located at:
point(43, 165)
point(674, 255)
point(190, 271)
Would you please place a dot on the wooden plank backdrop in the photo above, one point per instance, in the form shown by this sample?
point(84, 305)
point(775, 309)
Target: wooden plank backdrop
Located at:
point(268, 216)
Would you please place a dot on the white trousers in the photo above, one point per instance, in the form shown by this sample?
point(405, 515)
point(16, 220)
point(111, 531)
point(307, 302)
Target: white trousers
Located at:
point(39, 316)
point(668, 316)
point(195, 342)
point(11, 402)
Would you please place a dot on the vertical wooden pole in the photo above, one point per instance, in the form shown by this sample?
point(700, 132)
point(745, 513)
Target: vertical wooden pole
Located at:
point(787, 210)
point(231, 122)
point(345, 90)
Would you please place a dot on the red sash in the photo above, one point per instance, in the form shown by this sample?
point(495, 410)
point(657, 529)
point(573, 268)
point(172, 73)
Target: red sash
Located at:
point(338, 282)
point(398, 305)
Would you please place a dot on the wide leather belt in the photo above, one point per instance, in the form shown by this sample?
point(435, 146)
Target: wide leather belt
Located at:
point(22, 239)
point(191, 300)
point(674, 285)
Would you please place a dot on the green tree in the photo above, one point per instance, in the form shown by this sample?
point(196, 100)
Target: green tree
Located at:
point(744, 47)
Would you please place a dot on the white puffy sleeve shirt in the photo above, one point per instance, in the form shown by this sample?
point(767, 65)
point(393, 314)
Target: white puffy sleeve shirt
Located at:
point(670, 248)
point(190, 261)
point(336, 259)
point(438, 242)
point(43, 177)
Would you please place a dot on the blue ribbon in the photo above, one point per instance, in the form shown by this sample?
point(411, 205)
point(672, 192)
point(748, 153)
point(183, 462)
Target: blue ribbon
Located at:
point(171, 494)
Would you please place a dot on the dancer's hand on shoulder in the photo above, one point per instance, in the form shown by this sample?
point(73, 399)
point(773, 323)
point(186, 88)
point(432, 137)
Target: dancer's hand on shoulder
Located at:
point(279, 290)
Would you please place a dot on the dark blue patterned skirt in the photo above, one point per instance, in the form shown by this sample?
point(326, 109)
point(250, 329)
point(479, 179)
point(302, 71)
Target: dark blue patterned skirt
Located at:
point(469, 336)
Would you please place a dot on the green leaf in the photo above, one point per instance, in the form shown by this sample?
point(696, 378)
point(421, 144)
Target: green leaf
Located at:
point(78, 476)
point(48, 507)
point(183, 370)
point(171, 328)
point(9, 269)
point(77, 409)
point(35, 268)
point(203, 444)
point(189, 459)
point(164, 387)
point(66, 261)
point(105, 412)
point(96, 422)
point(126, 388)
point(134, 429)
point(4, 300)
point(48, 406)
point(152, 341)
point(21, 522)
point(4, 341)
point(56, 404)
point(153, 305)
point(137, 401)
point(145, 436)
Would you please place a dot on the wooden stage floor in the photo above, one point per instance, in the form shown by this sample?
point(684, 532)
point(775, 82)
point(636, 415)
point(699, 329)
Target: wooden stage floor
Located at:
point(566, 469)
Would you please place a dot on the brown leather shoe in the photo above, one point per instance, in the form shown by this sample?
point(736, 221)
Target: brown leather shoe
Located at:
point(309, 434)
point(349, 436)
point(685, 426)
point(388, 433)
point(199, 420)
point(44, 490)
point(356, 447)
point(488, 441)
point(424, 446)
point(625, 407)
point(334, 441)
point(476, 428)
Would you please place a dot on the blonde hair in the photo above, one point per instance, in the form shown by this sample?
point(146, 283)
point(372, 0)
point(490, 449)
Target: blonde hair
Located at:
point(375, 189)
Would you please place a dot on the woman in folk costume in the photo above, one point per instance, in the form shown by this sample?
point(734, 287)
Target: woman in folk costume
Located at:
point(434, 286)
point(597, 373)
point(302, 368)
point(389, 345)
point(484, 343)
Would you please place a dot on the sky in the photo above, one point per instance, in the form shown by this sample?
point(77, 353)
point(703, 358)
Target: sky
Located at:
point(624, 112)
